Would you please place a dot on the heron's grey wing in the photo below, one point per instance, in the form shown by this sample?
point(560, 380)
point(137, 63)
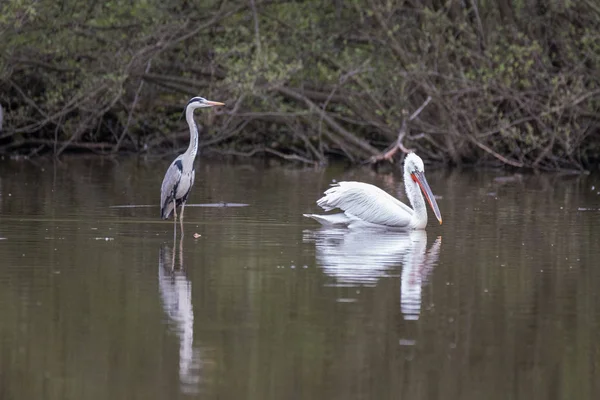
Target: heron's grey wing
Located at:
point(367, 203)
point(185, 185)
point(169, 184)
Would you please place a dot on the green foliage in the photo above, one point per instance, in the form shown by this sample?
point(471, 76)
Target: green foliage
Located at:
point(521, 82)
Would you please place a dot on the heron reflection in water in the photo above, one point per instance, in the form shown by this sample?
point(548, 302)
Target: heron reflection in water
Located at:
point(176, 294)
point(362, 258)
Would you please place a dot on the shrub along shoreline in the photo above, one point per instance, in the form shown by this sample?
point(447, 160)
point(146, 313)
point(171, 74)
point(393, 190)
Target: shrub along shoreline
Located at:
point(513, 83)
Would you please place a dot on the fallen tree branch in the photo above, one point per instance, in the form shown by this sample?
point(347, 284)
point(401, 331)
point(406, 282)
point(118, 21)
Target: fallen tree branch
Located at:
point(398, 145)
point(102, 146)
point(361, 144)
point(130, 116)
point(290, 157)
point(492, 152)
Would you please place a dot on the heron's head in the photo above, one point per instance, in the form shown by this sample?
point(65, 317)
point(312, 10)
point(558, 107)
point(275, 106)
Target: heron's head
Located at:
point(201, 102)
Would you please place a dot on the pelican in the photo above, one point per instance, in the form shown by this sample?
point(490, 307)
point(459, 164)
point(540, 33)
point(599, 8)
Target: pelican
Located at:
point(179, 179)
point(365, 205)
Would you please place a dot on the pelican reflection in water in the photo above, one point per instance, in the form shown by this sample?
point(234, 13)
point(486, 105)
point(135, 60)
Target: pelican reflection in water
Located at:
point(176, 295)
point(361, 258)
point(417, 267)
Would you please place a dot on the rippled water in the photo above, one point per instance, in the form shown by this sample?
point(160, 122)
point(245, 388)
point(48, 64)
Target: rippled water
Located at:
point(98, 301)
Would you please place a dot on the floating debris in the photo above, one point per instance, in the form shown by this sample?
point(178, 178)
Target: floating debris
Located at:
point(218, 205)
point(407, 342)
point(214, 205)
point(508, 179)
point(134, 206)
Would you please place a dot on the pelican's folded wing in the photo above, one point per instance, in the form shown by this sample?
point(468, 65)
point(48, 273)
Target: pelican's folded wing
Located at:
point(331, 219)
point(367, 203)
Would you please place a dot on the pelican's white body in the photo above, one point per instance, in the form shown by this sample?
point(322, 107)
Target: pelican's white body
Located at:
point(365, 205)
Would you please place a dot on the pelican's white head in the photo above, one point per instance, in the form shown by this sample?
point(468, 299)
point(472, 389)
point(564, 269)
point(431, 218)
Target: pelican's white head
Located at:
point(413, 163)
point(414, 176)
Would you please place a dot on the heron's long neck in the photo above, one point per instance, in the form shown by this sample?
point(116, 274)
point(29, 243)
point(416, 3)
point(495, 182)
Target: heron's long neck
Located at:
point(192, 149)
point(413, 192)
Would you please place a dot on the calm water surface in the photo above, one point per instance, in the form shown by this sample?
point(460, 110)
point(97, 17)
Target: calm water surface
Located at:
point(101, 302)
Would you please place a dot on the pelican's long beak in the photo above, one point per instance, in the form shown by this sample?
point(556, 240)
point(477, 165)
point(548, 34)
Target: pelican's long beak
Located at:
point(213, 103)
point(419, 177)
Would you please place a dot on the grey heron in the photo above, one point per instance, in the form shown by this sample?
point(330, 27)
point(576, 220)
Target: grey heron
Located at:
point(365, 205)
point(179, 179)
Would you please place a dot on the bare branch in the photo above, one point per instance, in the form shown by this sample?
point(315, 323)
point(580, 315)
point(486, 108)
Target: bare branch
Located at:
point(256, 28)
point(129, 117)
point(398, 145)
point(492, 152)
point(416, 113)
point(361, 144)
point(250, 153)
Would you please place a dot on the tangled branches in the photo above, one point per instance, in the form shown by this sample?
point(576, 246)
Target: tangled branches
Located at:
point(457, 82)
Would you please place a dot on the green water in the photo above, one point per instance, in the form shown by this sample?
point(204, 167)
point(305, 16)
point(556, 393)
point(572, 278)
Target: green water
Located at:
point(100, 302)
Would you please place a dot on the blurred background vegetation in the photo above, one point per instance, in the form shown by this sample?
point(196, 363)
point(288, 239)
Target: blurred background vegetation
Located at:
point(506, 82)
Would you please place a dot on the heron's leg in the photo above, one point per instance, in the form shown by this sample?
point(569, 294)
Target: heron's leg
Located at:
point(181, 251)
point(174, 243)
point(174, 222)
point(181, 217)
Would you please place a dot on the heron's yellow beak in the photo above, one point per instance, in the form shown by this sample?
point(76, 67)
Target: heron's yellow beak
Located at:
point(213, 103)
